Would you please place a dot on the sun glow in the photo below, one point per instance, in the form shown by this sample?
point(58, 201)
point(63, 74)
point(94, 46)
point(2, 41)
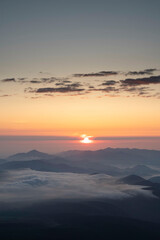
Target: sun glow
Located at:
point(86, 139)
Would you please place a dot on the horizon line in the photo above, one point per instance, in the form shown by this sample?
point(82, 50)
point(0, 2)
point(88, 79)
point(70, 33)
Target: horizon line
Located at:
point(69, 138)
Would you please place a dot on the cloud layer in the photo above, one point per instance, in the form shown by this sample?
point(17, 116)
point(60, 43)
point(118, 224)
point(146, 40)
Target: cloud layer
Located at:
point(28, 185)
point(141, 81)
point(97, 83)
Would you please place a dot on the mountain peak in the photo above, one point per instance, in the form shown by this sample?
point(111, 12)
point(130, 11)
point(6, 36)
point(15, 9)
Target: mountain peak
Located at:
point(133, 177)
point(34, 151)
point(135, 180)
point(31, 155)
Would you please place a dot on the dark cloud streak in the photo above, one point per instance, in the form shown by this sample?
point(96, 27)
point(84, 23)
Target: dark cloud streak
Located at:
point(108, 83)
point(66, 89)
point(144, 72)
point(98, 74)
point(140, 81)
point(9, 80)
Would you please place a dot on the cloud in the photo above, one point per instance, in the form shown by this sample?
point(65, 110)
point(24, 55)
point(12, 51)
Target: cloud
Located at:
point(107, 89)
point(70, 87)
point(108, 83)
point(5, 95)
point(60, 84)
point(110, 89)
point(121, 89)
point(35, 81)
point(36, 138)
point(140, 81)
point(66, 81)
point(144, 72)
point(63, 83)
point(97, 74)
point(53, 79)
point(48, 80)
point(75, 85)
point(66, 89)
point(22, 79)
point(9, 80)
point(29, 185)
point(29, 90)
point(44, 73)
point(135, 89)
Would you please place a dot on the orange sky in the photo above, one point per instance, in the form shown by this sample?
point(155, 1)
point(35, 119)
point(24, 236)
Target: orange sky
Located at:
point(73, 116)
point(81, 67)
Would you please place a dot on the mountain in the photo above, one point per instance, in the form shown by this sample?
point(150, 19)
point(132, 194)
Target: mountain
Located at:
point(40, 165)
point(135, 180)
point(140, 170)
point(2, 161)
point(31, 155)
point(114, 162)
point(38, 161)
point(119, 157)
point(155, 179)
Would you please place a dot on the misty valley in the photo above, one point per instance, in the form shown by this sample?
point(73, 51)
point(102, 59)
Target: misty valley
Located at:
point(103, 194)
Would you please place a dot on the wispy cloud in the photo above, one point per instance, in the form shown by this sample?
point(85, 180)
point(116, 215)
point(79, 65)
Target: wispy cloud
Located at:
point(8, 80)
point(108, 83)
point(22, 79)
point(140, 81)
point(59, 90)
point(110, 89)
point(28, 185)
point(96, 74)
point(35, 81)
point(116, 86)
point(143, 72)
point(5, 95)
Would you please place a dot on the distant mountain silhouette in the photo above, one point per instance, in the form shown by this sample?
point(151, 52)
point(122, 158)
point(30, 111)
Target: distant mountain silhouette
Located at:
point(155, 179)
point(40, 165)
point(38, 161)
point(119, 157)
point(31, 155)
point(110, 161)
point(135, 180)
point(141, 170)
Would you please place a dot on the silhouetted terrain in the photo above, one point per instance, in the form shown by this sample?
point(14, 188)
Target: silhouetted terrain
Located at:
point(98, 219)
point(116, 156)
point(114, 162)
point(155, 179)
point(105, 194)
point(136, 180)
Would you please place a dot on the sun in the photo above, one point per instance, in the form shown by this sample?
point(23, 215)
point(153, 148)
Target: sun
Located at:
point(86, 139)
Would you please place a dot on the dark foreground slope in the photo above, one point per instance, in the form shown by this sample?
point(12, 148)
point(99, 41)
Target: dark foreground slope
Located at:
point(97, 228)
point(98, 219)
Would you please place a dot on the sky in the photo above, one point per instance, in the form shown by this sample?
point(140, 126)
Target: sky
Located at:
point(80, 67)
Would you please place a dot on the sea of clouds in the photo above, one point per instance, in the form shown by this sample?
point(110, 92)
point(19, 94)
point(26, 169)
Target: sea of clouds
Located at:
point(31, 186)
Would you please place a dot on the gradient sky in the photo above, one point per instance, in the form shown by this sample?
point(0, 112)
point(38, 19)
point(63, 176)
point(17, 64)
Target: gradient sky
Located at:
point(74, 67)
